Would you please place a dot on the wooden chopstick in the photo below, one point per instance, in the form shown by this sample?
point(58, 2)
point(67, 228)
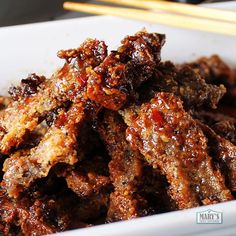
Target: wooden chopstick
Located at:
point(166, 19)
point(180, 8)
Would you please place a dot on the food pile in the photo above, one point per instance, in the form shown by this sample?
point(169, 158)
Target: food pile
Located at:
point(114, 137)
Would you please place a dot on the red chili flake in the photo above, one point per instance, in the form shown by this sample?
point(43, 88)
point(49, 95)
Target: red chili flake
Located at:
point(157, 117)
point(62, 120)
point(82, 78)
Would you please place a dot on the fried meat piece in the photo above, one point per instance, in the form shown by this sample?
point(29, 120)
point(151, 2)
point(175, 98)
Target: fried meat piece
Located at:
point(39, 214)
point(215, 71)
point(125, 170)
point(87, 178)
point(170, 139)
point(184, 82)
point(125, 207)
point(86, 184)
point(226, 129)
point(28, 86)
point(224, 153)
point(60, 141)
point(25, 113)
point(223, 125)
point(33, 139)
point(57, 146)
point(193, 89)
point(117, 77)
point(12, 214)
point(72, 163)
point(68, 210)
point(30, 221)
point(4, 103)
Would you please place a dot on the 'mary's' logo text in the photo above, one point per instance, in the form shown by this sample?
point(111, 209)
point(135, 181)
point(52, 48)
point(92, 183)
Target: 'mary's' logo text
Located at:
point(209, 217)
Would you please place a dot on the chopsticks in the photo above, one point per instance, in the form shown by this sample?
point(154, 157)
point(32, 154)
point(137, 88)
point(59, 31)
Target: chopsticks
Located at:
point(179, 8)
point(176, 20)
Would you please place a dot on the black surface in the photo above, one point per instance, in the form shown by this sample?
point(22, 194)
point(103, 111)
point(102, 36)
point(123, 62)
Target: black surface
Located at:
point(14, 12)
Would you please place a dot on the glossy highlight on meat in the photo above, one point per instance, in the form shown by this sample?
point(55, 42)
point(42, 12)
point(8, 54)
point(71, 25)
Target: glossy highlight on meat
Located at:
point(124, 70)
point(126, 171)
point(170, 139)
point(115, 136)
point(27, 111)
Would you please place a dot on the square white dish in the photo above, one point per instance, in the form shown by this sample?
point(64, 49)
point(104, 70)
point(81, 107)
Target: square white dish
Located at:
point(32, 48)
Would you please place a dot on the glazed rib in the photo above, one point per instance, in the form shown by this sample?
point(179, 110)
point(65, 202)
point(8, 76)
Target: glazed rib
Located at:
point(117, 77)
point(170, 139)
point(125, 170)
point(25, 114)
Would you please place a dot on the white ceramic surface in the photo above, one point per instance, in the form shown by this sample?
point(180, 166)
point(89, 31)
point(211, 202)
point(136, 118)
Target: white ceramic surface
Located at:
point(32, 48)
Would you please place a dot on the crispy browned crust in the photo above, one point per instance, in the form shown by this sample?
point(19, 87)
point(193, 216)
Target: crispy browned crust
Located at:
point(224, 153)
point(37, 214)
point(184, 82)
point(117, 77)
point(170, 139)
point(87, 179)
point(24, 114)
point(125, 170)
point(71, 163)
point(215, 71)
point(86, 185)
point(27, 87)
point(222, 124)
point(59, 143)
point(57, 146)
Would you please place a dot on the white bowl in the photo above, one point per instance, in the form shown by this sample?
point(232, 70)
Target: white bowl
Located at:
point(32, 48)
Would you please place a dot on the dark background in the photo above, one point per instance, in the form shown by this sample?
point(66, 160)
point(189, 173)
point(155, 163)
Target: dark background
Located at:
point(13, 12)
